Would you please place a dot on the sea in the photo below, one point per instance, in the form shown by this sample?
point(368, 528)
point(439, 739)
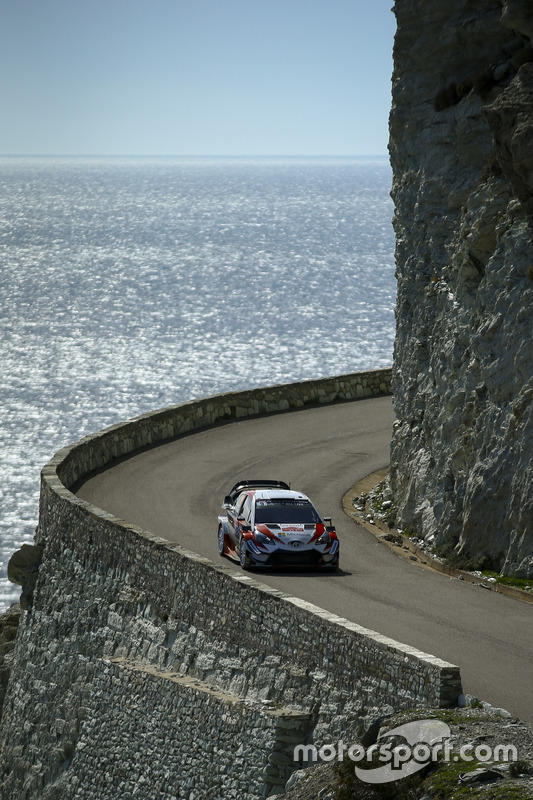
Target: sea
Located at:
point(129, 284)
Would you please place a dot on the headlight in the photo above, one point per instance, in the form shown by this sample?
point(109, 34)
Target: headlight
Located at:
point(325, 538)
point(262, 538)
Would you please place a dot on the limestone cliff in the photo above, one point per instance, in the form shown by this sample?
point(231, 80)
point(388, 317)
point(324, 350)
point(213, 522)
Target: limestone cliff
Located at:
point(461, 145)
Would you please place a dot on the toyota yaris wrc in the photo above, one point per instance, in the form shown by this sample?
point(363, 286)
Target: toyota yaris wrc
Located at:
point(267, 525)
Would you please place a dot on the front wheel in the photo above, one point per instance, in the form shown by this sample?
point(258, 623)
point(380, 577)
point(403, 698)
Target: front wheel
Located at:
point(243, 556)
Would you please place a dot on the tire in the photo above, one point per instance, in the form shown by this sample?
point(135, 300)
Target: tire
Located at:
point(331, 567)
point(242, 556)
point(221, 541)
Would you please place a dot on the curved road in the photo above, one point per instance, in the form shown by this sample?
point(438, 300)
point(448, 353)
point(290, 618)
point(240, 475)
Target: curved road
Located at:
point(175, 490)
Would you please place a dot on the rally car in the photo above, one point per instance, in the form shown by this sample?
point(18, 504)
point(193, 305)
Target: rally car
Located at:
point(265, 524)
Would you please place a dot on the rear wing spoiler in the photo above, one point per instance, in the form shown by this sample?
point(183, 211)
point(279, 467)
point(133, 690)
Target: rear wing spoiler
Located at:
point(241, 486)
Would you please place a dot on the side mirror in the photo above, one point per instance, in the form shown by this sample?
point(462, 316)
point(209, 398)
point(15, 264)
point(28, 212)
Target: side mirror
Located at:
point(227, 501)
point(328, 525)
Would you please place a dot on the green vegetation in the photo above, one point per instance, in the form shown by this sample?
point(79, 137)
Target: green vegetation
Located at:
point(443, 784)
point(508, 580)
point(469, 564)
point(377, 501)
point(481, 564)
point(447, 552)
point(439, 781)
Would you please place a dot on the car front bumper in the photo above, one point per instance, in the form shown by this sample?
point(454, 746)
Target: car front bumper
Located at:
point(291, 557)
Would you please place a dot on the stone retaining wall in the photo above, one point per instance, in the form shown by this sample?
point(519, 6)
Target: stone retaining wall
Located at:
point(162, 718)
point(140, 663)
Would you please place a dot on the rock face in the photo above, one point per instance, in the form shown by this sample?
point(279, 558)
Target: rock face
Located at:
point(461, 146)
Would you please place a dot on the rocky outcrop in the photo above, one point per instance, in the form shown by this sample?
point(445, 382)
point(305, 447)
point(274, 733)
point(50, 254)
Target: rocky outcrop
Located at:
point(469, 727)
point(461, 148)
point(23, 568)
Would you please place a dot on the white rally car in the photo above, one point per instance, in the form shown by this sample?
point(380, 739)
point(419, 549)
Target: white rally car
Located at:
point(267, 525)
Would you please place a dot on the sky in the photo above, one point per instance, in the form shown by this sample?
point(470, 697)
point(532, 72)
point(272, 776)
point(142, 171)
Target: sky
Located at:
point(195, 77)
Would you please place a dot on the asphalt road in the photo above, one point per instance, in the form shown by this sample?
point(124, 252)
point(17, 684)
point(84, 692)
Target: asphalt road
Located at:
point(175, 491)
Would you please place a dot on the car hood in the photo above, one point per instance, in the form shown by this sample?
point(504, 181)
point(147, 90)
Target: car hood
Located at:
point(291, 531)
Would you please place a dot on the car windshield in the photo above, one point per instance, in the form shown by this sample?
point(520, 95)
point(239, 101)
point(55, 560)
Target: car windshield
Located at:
point(285, 511)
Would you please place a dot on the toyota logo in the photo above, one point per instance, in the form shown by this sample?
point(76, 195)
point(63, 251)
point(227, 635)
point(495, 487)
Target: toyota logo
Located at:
point(296, 544)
